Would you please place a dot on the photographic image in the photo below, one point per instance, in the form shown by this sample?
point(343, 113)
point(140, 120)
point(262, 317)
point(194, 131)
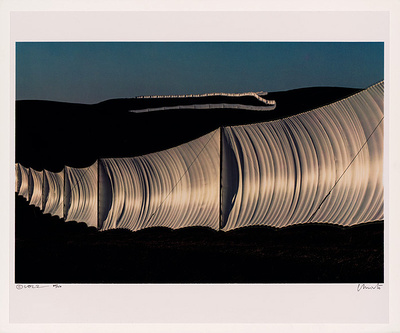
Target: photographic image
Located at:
point(199, 162)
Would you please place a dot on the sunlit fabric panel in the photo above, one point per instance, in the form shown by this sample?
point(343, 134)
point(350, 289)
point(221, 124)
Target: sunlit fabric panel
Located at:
point(17, 177)
point(358, 195)
point(81, 194)
point(35, 184)
point(281, 172)
point(53, 193)
point(24, 181)
point(174, 188)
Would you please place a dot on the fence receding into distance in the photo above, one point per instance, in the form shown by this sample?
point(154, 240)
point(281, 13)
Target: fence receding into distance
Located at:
point(322, 166)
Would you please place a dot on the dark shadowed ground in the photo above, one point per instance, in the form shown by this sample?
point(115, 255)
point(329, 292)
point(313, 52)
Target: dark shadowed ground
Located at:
point(49, 250)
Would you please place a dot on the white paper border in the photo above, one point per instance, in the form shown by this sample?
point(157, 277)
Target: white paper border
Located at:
point(313, 304)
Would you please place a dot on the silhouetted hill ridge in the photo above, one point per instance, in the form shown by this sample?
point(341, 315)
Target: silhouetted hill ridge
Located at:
point(51, 134)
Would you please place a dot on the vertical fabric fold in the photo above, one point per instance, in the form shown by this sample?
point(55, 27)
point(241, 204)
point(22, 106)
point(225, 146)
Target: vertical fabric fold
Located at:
point(81, 194)
point(35, 185)
point(174, 188)
point(53, 193)
point(23, 189)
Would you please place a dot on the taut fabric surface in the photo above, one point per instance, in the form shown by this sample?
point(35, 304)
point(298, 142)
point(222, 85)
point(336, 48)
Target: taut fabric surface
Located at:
point(53, 193)
point(280, 173)
point(174, 188)
point(81, 194)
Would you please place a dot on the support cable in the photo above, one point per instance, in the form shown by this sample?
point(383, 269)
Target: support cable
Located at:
point(179, 180)
point(341, 176)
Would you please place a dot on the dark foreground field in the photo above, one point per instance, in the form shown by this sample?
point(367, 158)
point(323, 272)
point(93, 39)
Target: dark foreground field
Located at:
point(49, 250)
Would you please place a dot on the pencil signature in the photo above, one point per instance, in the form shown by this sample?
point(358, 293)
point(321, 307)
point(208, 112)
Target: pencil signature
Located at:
point(366, 286)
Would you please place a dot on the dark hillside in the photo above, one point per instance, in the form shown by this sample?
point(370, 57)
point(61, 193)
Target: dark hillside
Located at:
point(52, 134)
point(300, 100)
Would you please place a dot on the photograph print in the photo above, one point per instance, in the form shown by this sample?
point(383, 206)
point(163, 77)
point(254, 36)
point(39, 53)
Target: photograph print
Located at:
point(199, 162)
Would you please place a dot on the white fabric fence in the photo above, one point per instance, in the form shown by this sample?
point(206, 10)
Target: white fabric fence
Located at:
point(278, 173)
point(35, 185)
point(53, 193)
point(23, 181)
point(81, 194)
point(324, 165)
point(268, 107)
point(175, 188)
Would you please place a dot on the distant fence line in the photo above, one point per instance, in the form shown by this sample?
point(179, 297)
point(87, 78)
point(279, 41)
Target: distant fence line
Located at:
point(251, 94)
point(269, 107)
point(321, 166)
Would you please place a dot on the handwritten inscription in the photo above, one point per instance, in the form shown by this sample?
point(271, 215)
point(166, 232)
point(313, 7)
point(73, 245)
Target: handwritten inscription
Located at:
point(366, 286)
point(36, 286)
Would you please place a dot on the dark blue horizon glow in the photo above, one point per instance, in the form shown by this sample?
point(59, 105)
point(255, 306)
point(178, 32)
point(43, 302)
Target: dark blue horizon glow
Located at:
point(91, 72)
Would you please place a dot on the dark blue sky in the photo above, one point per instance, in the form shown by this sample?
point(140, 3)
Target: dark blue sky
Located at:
point(90, 72)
